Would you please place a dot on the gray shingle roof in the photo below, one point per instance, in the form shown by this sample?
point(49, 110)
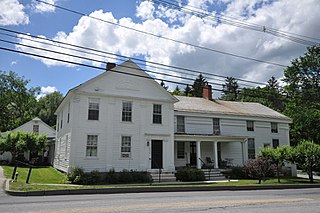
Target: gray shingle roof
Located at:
point(201, 105)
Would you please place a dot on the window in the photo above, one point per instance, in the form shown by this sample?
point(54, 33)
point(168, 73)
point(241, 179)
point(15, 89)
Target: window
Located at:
point(92, 146)
point(58, 123)
point(274, 127)
point(67, 142)
point(180, 124)
point(68, 118)
point(275, 143)
point(93, 112)
point(36, 129)
point(250, 126)
point(216, 126)
point(61, 120)
point(251, 149)
point(125, 146)
point(157, 118)
point(180, 150)
point(126, 111)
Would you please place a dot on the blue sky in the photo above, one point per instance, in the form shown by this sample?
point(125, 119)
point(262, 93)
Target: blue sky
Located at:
point(29, 16)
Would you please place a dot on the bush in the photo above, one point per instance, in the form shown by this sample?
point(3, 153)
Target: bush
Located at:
point(236, 172)
point(126, 176)
point(259, 168)
point(75, 174)
point(190, 174)
point(78, 176)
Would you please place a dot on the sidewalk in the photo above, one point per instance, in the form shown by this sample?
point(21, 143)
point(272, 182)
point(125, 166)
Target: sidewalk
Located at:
point(2, 182)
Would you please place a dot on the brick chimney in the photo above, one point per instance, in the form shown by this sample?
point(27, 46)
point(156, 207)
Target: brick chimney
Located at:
point(207, 92)
point(110, 66)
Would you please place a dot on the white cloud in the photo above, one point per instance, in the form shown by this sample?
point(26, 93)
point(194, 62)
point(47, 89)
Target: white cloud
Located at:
point(13, 63)
point(145, 10)
point(296, 16)
point(12, 13)
point(46, 90)
point(40, 7)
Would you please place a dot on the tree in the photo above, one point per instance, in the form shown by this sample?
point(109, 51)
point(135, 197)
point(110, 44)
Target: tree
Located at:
point(259, 168)
point(230, 89)
point(16, 142)
point(187, 91)
point(278, 156)
point(164, 85)
point(46, 107)
point(197, 87)
point(177, 91)
point(17, 103)
point(302, 80)
point(307, 156)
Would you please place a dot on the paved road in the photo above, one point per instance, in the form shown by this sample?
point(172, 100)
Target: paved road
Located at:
point(298, 200)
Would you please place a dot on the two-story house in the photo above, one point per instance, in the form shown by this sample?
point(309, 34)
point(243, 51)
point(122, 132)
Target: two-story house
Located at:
point(225, 132)
point(123, 119)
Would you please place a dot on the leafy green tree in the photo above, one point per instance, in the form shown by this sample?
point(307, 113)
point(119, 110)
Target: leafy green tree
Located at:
point(17, 102)
point(16, 142)
point(230, 89)
point(307, 156)
point(278, 156)
point(46, 107)
point(197, 87)
point(302, 80)
point(177, 91)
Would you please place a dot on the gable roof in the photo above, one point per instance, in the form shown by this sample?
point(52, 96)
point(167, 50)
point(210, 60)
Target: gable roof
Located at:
point(36, 120)
point(126, 68)
point(219, 107)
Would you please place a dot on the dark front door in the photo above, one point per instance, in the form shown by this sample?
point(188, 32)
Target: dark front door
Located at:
point(156, 154)
point(193, 154)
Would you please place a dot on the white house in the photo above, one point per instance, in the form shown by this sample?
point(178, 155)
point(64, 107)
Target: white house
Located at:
point(123, 119)
point(35, 125)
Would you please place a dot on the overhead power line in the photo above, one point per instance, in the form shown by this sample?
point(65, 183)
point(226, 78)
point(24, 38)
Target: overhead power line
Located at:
point(96, 67)
point(199, 12)
point(97, 52)
point(164, 37)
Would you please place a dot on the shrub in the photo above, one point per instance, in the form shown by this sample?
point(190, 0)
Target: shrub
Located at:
point(126, 176)
point(190, 174)
point(236, 172)
point(75, 174)
point(259, 168)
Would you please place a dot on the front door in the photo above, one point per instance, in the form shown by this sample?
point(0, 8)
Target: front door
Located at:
point(156, 154)
point(193, 154)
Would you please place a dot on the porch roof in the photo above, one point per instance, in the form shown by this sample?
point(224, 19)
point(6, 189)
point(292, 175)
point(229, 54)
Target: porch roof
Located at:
point(210, 138)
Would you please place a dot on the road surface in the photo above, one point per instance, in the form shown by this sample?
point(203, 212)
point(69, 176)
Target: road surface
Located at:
point(297, 200)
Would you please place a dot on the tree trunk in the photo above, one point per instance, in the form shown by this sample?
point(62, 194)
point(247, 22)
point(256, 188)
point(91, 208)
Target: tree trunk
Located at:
point(278, 174)
point(310, 173)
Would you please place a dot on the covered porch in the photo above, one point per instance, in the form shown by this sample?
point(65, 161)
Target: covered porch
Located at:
point(216, 151)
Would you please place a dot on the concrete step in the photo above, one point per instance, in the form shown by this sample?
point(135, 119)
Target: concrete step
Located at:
point(213, 174)
point(165, 175)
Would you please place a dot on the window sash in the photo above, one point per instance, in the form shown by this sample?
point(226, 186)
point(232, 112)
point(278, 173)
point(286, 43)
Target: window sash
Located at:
point(275, 143)
point(36, 128)
point(250, 126)
point(126, 111)
point(251, 148)
point(92, 146)
point(180, 124)
point(274, 127)
point(180, 150)
point(216, 124)
point(157, 117)
point(126, 146)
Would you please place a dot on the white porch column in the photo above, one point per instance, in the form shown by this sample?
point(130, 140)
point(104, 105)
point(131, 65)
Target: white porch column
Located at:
point(215, 147)
point(198, 155)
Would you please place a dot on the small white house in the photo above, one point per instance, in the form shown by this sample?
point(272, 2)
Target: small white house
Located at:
point(123, 119)
point(35, 125)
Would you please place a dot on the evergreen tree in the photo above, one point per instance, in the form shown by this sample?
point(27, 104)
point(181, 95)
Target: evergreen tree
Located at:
point(187, 91)
point(164, 85)
point(197, 87)
point(230, 89)
point(177, 91)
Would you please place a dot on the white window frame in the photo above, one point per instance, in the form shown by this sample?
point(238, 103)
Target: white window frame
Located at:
point(92, 144)
point(274, 127)
point(216, 126)
point(36, 130)
point(157, 113)
point(250, 126)
point(126, 145)
point(94, 105)
point(126, 115)
point(181, 124)
point(251, 148)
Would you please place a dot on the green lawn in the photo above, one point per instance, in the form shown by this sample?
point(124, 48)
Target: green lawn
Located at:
point(46, 175)
point(41, 178)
